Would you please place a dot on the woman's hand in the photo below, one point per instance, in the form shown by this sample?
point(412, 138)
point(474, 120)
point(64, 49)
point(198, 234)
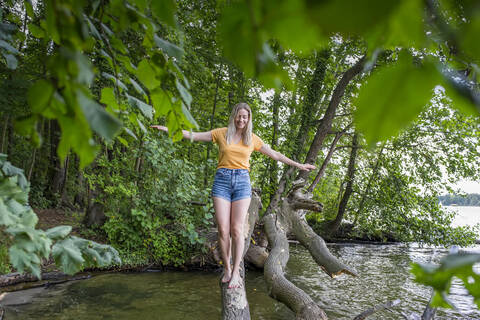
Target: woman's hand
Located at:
point(161, 128)
point(306, 166)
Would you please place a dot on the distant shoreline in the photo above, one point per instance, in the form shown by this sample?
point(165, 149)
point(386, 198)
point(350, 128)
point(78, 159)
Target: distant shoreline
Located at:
point(468, 200)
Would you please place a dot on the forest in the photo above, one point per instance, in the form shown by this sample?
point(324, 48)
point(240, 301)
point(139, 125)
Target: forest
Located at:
point(383, 101)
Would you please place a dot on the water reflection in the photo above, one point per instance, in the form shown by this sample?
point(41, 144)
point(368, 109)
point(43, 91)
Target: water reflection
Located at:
point(383, 275)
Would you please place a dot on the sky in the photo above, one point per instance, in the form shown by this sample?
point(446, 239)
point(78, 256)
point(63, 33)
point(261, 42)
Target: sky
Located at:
point(469, 186)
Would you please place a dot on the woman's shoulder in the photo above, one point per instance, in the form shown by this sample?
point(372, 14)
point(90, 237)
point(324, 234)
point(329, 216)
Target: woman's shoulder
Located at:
point(255, 136)
point(223, 129)
point(218, 134)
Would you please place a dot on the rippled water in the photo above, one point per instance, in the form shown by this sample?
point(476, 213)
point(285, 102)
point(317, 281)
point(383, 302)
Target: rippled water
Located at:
point(383, 276)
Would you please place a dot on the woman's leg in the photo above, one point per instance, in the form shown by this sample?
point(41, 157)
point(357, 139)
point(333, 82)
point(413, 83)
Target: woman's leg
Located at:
point(239, 213)
point(222, 209)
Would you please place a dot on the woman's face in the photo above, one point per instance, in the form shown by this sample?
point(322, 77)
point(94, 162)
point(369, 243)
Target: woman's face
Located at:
point(241, 119)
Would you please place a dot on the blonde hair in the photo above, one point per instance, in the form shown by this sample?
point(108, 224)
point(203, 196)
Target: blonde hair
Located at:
point(231, 129)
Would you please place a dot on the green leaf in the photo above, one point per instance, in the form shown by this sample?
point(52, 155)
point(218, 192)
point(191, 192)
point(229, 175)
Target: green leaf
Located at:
point(469, 37)
point(146, 74)
point(76, 134)
point(393, 97)
point(161, 102)
point(67, 256)
point(164, 10)
point(122, 141)
point(186, 96)
point(108, 98)
point(6, 218)
point(142, 127)
point(29, 9)
point(146, 109)
point(189, 116)
point(39, 95)
point(235, 24)
point(115, 80)
point(137, 87)
point(36, 31)
point(286, 20)
point(405, 26)
point(118, 44)
point(12, 62)
point(99, 120)
point(5, 45)
point(350, 17)
point(169, 48)
point(59, 232)
point(130, 133)
point(92, 28)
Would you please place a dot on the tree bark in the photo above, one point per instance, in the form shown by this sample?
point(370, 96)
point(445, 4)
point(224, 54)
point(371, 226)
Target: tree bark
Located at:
point(4, 133)
point(326, 161)
point(326, 123)
point(234, 301)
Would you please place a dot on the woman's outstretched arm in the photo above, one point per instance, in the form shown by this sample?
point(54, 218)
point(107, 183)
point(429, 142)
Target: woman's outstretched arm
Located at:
point(277, 156)
point(195, 136)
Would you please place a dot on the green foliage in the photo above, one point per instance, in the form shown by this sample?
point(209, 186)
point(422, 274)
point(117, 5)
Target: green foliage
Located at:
point(80, 31)
point(439, 277)
point(149, 211)
point(29, 245)
point(4, 260)
point(393, 96)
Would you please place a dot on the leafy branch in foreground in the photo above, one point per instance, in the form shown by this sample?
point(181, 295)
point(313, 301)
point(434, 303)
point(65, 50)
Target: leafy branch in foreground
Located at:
point(439, 277)
point(31, 245)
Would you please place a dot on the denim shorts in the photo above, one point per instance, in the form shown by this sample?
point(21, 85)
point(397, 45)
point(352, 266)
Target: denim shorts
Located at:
point(232, 184)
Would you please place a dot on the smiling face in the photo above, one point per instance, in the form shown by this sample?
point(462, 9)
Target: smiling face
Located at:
point(241, 119)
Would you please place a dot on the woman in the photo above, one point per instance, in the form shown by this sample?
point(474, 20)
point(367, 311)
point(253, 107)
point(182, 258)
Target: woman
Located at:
point(231, 191)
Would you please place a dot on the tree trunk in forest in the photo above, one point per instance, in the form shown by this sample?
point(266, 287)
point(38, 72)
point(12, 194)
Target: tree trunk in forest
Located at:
point(331, 227)
point(310, 105)
point(314, 91)
point(326, 123)
point(369, 184)
point(10, 138)
point(234, 301)
point(94, 215)
point(56, 172)
point(326, 161)
point(4, 133)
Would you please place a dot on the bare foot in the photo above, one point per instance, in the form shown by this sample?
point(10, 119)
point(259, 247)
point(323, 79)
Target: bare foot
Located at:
point(235, 281)
point(227, 274)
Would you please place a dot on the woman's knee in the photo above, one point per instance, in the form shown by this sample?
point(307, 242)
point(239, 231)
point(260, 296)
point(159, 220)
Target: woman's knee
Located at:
point(237, 232)
point(223, 232)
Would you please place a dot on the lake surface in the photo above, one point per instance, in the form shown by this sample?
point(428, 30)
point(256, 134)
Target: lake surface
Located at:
point(383, 276)
point(465, 215)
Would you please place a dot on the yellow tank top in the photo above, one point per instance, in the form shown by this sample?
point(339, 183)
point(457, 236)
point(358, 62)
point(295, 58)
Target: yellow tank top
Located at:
point(234, 156)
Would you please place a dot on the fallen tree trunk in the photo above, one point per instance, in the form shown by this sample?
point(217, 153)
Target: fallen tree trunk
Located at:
point(234, 300)
point(287, 219)
point(377, 308)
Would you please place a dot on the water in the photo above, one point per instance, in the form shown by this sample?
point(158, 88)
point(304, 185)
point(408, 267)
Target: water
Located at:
point(383, 276)
point(465, 215)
